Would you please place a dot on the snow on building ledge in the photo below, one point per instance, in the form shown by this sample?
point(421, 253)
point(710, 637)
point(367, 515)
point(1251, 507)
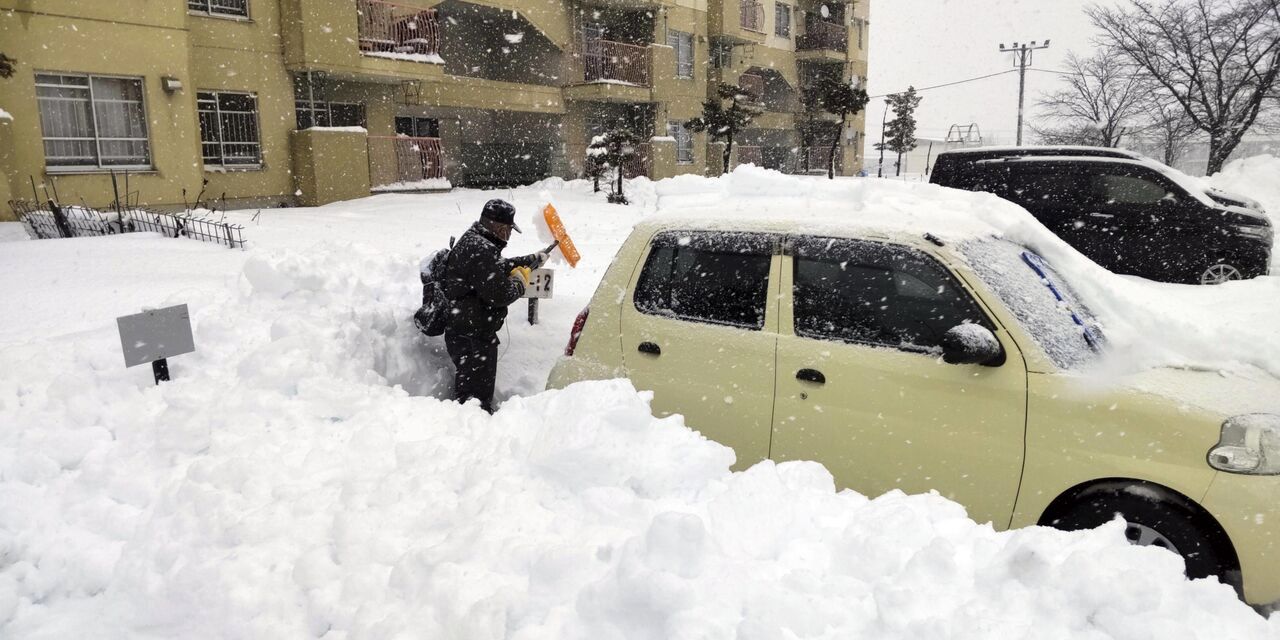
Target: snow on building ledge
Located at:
point(427, 58)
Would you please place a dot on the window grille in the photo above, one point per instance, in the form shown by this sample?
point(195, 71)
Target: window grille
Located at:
point(329, 114)
point(93, 121)
point(683, 44)
point(236, 8)
point(229, 129)
point(684, 142)
point(782, 20)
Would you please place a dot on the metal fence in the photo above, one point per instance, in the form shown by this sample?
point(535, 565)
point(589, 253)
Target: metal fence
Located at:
point(823, 35)
point(617, 61)
point(387, 27)
point(51, 220)
point(752, 16)
point(404, 161)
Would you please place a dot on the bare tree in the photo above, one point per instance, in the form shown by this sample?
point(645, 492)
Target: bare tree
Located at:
point(1169, 127)
point(1101, 98)
point(1218, 59)
point(1084, 135)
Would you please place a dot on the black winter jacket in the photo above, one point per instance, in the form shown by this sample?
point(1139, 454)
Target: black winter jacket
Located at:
point(480, 284)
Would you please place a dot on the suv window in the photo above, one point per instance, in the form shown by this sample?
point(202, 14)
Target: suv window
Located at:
point(1029, 185)
point(873, 293)
point(1121, 189)
point(712, 277)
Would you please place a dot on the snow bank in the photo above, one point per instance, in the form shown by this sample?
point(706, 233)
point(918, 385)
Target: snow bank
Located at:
point(1256, 178)
point(283, 485)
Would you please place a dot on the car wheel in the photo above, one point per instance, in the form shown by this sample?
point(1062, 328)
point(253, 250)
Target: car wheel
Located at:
point(1154, 523)
point(1220, 273)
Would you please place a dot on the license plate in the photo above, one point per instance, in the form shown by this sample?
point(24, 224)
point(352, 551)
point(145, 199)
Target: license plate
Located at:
point(540, 283)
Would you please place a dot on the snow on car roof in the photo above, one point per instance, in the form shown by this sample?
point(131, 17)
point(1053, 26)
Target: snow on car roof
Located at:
point(757, 199)
point(1114, 152)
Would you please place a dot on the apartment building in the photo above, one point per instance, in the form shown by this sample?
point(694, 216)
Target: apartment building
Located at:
point(268, 102)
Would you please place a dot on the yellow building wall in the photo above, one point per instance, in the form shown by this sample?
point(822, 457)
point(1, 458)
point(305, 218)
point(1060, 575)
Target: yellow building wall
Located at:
point(133, 38)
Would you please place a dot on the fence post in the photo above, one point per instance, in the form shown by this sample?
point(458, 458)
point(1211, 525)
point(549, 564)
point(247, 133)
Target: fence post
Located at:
point(60, 220)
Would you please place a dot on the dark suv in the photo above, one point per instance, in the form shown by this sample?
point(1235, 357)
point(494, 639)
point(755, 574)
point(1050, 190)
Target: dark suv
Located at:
point(1129, 214)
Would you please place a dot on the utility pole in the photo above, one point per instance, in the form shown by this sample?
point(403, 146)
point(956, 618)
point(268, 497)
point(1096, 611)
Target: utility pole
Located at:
point(1022, 57)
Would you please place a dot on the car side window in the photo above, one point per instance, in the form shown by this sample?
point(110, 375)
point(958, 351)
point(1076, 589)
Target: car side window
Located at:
point(1115, 188)
point(711, 277)
point(878, 294)
point(1029, 186)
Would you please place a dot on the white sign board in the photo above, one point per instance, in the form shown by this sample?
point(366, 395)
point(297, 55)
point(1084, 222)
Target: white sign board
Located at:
point(540, 283)
point(155, 335)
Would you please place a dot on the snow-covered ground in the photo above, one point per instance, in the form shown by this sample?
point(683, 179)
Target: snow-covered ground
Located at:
point(298, 478)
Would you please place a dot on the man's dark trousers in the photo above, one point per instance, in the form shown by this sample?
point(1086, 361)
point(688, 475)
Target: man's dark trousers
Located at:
point(475, 363)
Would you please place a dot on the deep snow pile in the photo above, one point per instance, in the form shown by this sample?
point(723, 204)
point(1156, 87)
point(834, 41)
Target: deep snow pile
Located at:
point(296, 479)
point(1256, 178)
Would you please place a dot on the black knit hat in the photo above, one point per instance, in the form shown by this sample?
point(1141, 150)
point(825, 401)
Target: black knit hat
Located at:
point(500, 210)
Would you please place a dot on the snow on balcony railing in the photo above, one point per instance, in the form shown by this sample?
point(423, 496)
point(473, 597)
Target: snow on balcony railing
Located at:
point(752, 16)
point(397, 30)
point(821, 35)
point(407, 163)
point(605, 61)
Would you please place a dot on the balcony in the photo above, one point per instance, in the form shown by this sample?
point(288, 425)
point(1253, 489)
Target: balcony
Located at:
point(608, 61)
point(814, 159)
point(401, 163)
point(751, 17)
point(753, 85)
point(639, 164)
point(400, 32)
point(749, 155)
point(822, 36)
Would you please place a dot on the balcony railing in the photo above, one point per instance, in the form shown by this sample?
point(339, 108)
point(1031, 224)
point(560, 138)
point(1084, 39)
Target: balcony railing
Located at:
point(823, 36)
point(389, 28)
point(608, 61)
point(752, 16)
point(401, 162)
point(640, 163)
point(814, 159)
point(753, 85)
point(750, 155)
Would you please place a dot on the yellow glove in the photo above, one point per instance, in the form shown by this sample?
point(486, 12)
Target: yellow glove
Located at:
point(524, 273)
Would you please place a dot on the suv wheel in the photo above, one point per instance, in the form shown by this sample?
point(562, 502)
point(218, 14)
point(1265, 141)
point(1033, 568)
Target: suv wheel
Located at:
point(1220, 273)
point(1155, 523)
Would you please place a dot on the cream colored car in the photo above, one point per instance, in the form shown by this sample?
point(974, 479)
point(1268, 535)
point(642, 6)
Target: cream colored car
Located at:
point(905, 362)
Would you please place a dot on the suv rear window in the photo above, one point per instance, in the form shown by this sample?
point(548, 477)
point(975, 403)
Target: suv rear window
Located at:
point(711, 277)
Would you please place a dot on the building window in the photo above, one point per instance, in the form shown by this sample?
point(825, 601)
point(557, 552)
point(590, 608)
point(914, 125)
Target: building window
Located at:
point(328, 114)
point(415, 127)
point(229, 129)
point(782, 20)
point(93, 122)
point(234, 8)
point(722, 56)
point(859, 23)
point(684, 142)
point(683, 44)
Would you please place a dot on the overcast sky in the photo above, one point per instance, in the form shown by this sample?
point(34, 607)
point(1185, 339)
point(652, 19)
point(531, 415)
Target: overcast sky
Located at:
point(931, 42)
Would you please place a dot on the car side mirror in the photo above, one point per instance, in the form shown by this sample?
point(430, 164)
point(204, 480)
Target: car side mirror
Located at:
point(972, 344)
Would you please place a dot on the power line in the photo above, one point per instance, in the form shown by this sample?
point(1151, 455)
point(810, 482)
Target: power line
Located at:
point(951, 84)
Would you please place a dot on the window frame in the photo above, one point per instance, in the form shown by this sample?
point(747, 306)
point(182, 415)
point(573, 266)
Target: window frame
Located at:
point(222, 143)
point(757, 243)
point(313, 107)
point(983, 317)
point(684, 142)
point(684, 65)
point(783, 29)
point(148, 165)
point(209, 12)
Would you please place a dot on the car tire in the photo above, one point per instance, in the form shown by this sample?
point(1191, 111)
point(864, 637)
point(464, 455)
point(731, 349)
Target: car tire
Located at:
point(1154, 522)
point(1219, 273)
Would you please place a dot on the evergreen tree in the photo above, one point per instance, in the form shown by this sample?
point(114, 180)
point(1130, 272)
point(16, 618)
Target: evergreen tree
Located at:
point(725, 122)
point(900, 135)
point(613, 150)
point(6, 66)
point(842, 99)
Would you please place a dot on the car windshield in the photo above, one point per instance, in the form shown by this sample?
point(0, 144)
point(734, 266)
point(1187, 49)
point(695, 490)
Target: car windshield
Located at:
point(1040, 298)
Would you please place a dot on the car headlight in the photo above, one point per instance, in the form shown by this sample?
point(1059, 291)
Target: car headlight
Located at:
point(1249, 444)
point(1250, 231)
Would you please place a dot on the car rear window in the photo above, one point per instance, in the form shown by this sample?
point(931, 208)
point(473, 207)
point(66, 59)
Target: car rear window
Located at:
point(711, 277)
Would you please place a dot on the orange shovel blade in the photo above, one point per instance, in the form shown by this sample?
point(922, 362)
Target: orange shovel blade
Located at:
point(567, 249)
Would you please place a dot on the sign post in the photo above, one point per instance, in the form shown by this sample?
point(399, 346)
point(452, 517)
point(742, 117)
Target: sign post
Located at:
point(155, 335)
point(540, 281)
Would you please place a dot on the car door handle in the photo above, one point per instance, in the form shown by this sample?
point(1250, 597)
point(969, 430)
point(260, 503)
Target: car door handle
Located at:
point(1095, 214)
point(649, 347)
point(811, 375)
